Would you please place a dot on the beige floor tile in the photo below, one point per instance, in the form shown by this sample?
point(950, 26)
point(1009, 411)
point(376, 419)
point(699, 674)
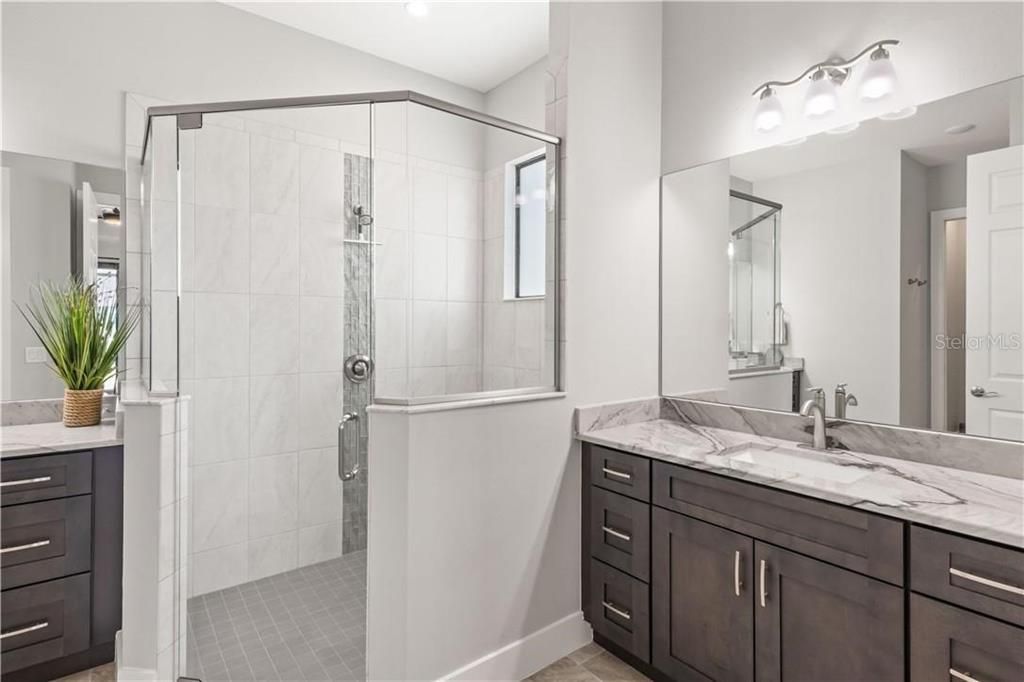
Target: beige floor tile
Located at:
point(563, 670)
point(608, 668)
point(585, 653)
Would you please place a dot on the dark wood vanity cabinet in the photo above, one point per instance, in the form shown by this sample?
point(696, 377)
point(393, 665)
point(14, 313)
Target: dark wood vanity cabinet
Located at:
point(750, 583)
point(60, 570)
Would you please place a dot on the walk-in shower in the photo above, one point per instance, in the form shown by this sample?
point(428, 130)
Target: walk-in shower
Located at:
point(303, 258)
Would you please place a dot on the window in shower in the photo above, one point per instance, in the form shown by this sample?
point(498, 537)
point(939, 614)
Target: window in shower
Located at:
point(753, 282)
point(527, 204)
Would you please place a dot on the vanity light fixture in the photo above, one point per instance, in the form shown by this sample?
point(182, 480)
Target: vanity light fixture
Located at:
point(822, 99)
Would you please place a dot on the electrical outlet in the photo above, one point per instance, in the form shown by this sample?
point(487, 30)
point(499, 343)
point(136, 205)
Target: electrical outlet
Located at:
point(35, 355)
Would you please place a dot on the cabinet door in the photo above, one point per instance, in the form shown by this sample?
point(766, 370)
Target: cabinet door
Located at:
point(815, 621)
point(701, 580)
point(950, 643)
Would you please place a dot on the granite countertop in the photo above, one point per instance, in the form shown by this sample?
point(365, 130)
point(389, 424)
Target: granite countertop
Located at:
point(980, 505)
point(49, 437)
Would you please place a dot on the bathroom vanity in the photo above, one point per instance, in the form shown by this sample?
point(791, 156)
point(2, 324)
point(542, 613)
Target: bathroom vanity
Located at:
point(715, 554)
point(61, 517)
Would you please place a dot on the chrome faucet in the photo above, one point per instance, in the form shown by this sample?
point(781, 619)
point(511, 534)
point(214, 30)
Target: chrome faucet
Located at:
point(815, 408)
point(844, 399)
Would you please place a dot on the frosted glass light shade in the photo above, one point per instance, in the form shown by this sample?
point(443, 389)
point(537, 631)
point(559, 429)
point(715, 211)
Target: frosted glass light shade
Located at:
point(768, 115)
point(879, 79)
point(822, 97)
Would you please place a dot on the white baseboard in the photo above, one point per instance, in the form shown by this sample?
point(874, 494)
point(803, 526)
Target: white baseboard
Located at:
point(524, 657)
point(126, 674)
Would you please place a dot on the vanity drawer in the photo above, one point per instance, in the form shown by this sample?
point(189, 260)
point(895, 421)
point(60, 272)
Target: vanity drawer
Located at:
point(848, 538)
point(983, 577)
point(620, 532)
point(620, 609)
point(43, 622)
point(947, 643)
point(45, 540)
point(45, 477)
point(620, 472)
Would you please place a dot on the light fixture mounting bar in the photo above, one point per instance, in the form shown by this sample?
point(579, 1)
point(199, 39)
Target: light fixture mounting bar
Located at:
point(833, 65)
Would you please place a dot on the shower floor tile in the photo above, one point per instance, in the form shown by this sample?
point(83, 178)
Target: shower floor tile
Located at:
point(306, 624)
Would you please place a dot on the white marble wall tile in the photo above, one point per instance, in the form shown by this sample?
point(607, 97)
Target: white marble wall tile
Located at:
point(463, 334)
point(221, 250)
point(219, 568)
point(267, 129)
point(498, 378)
point(162, 156)
point(274, 175)
point(274, 418)
point(165, 607)
point(164, 347)
point(314, 140)
point(222, 167)
point(320, 408)
point(220, 420)
point(163, 235)
point(392, 265)
point(391, 186)
point(499, 334)
point(321, 336)
point(429, 333)
point(462, 380)
point(273, 494)
point(391, 333)
point(429, 267)
point(187, 335)
point(465, 215)
point(220, 504)
point(322, 183)
point(319, 543)
point(322, 271)
point(464, 260)
point(222, 335)
point(429, 201)
point(494, 204)
point(426, 381)
point(168, 530)
point(529, 321)
point(274, 254)
point(525, 378)
point(320, 489)
point(392, 383)
point(274, 334)
point(273, 554)
point(493, 276)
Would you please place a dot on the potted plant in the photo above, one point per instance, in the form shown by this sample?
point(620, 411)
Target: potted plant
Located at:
point(83, 338)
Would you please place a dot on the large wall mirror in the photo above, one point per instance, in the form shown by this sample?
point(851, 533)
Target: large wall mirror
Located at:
point(878, 269)
point(59, 218)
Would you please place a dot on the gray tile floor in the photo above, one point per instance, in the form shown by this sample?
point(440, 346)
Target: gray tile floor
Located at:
point(306, 624)
point(591, 663)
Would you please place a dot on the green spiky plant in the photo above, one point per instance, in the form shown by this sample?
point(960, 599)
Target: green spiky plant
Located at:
point(82, 337)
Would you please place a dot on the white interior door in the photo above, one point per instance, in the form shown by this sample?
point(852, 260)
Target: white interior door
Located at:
point(90, 234)
point(995, 293)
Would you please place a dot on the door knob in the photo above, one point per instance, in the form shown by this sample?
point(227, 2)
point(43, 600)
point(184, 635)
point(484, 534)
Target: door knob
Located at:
point(980, 392)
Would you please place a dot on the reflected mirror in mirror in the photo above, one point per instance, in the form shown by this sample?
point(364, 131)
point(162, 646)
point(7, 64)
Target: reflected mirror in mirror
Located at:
point(881, 265)
point(60, 218)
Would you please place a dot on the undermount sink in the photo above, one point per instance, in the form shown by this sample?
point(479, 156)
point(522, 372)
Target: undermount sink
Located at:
point(808, 464)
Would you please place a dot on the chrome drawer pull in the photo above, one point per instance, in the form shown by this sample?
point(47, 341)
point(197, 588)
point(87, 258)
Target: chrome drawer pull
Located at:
point(736, 573)
point(764, 586)
point(617, 474)
point(617, 533)
point(617, 611)
point(1012, 589)
point(26, 481)
point(953, 672)
point(25, 630)
point(21, 548)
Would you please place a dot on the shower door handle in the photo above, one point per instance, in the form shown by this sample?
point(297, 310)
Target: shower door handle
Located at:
point(344, 473)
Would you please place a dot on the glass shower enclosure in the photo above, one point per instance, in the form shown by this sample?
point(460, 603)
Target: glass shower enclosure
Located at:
point(307, 257)
point(754, 307)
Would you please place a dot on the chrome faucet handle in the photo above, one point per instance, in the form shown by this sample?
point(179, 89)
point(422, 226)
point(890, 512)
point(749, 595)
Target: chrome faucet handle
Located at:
point(841, 387)
point(816, 390)
point(851, 400)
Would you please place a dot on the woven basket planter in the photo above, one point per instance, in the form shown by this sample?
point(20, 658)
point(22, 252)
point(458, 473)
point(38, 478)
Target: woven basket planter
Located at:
point(82, 408)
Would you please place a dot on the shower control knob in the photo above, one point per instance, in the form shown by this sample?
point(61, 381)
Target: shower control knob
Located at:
point(358, 368)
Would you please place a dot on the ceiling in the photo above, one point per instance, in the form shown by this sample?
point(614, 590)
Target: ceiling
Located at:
point(475, 44)
point(923, 136)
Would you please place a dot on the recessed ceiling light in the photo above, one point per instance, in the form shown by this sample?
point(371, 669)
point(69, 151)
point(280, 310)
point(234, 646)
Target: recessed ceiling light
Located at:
point(842, 130)
point(960, 129)
point(417, 8)
point(906, 112)
point(793, 143)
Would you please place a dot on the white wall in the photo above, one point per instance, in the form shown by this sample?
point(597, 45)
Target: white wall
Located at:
point(840, 238)
point(947, 186)
point(65, 100)
point(512, 470)
point(708, 106)
point(915, 301)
